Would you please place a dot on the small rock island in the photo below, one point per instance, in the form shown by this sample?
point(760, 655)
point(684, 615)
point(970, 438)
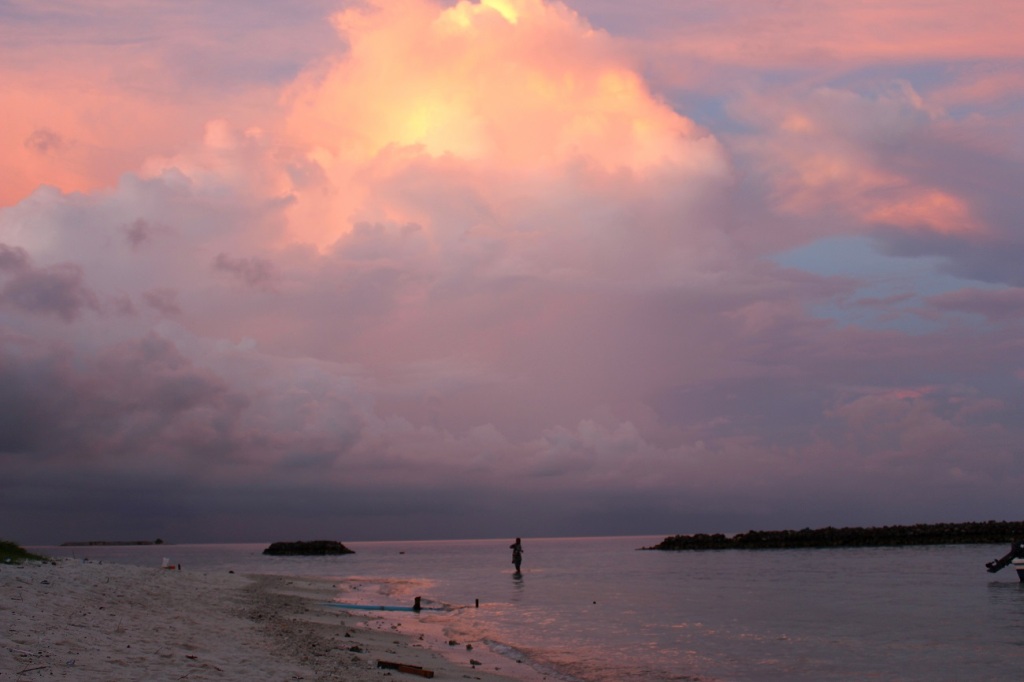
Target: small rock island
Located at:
point(307, 548)
point(971, 533)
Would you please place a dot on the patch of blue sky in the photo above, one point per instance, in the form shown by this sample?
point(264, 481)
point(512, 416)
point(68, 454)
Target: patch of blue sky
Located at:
point(708, 111)
point(923, 76)
point(931, 77)
point(892, 290)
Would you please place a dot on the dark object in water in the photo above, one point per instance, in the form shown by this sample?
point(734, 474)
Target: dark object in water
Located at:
point(310, 548)
point(1016, 552)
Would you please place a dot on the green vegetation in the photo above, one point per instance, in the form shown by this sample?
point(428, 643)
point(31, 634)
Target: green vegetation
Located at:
point(988, 532)
point(12, 553)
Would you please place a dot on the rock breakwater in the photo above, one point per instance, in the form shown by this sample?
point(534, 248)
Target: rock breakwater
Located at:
point(982, 532)
point(310, 548)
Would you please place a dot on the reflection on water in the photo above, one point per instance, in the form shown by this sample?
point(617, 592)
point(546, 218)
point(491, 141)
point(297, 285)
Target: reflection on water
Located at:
point(517, 587)
point(1007, 599)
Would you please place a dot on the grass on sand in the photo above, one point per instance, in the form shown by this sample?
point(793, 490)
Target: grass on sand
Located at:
point(12, 553)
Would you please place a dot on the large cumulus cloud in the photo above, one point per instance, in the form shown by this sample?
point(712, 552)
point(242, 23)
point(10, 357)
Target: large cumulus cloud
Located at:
point(471, 273)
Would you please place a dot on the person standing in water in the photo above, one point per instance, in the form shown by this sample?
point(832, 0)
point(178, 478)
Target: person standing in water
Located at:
point(517, 553)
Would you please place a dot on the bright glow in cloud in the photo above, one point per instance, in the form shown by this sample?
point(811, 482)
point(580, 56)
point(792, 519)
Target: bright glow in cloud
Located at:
point(515, 93)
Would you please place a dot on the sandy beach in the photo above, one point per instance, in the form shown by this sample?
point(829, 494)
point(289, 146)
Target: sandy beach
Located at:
point(82, 620)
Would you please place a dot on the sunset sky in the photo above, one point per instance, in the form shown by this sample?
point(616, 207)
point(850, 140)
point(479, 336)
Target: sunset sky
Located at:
point(405, 269)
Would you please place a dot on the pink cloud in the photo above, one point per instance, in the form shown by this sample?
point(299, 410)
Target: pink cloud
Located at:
point(753, 34)
point(1006, 305)
point(92, 92)
point(828, 151)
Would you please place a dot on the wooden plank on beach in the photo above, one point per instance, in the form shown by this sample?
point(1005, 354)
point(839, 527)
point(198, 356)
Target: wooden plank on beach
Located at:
point(406, 668)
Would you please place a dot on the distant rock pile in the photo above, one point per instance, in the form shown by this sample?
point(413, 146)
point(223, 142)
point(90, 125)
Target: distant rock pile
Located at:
point(310, 548)
point(971, 533)
point(111, 543)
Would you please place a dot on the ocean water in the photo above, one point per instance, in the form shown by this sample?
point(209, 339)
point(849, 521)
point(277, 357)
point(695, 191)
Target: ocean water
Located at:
point(598, 610)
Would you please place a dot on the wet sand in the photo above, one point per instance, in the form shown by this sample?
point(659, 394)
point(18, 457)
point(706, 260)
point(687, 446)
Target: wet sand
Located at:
point(80, 620)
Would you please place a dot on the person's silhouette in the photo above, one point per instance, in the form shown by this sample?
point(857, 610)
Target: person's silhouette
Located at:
point(517, 553)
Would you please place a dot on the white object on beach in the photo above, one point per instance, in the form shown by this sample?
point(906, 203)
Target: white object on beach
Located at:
point(167, 562)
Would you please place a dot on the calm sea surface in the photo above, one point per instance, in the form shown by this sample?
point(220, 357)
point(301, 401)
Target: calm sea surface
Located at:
point(597, 610)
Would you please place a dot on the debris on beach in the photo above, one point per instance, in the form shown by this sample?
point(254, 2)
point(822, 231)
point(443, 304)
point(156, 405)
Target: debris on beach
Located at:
point(406, 668)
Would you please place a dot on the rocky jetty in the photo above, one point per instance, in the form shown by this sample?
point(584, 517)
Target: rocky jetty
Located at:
point(310, 548)
point(971, 533)
point(111, 543)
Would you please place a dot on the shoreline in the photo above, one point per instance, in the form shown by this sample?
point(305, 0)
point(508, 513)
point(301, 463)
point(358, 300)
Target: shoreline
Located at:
point(83, 620)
